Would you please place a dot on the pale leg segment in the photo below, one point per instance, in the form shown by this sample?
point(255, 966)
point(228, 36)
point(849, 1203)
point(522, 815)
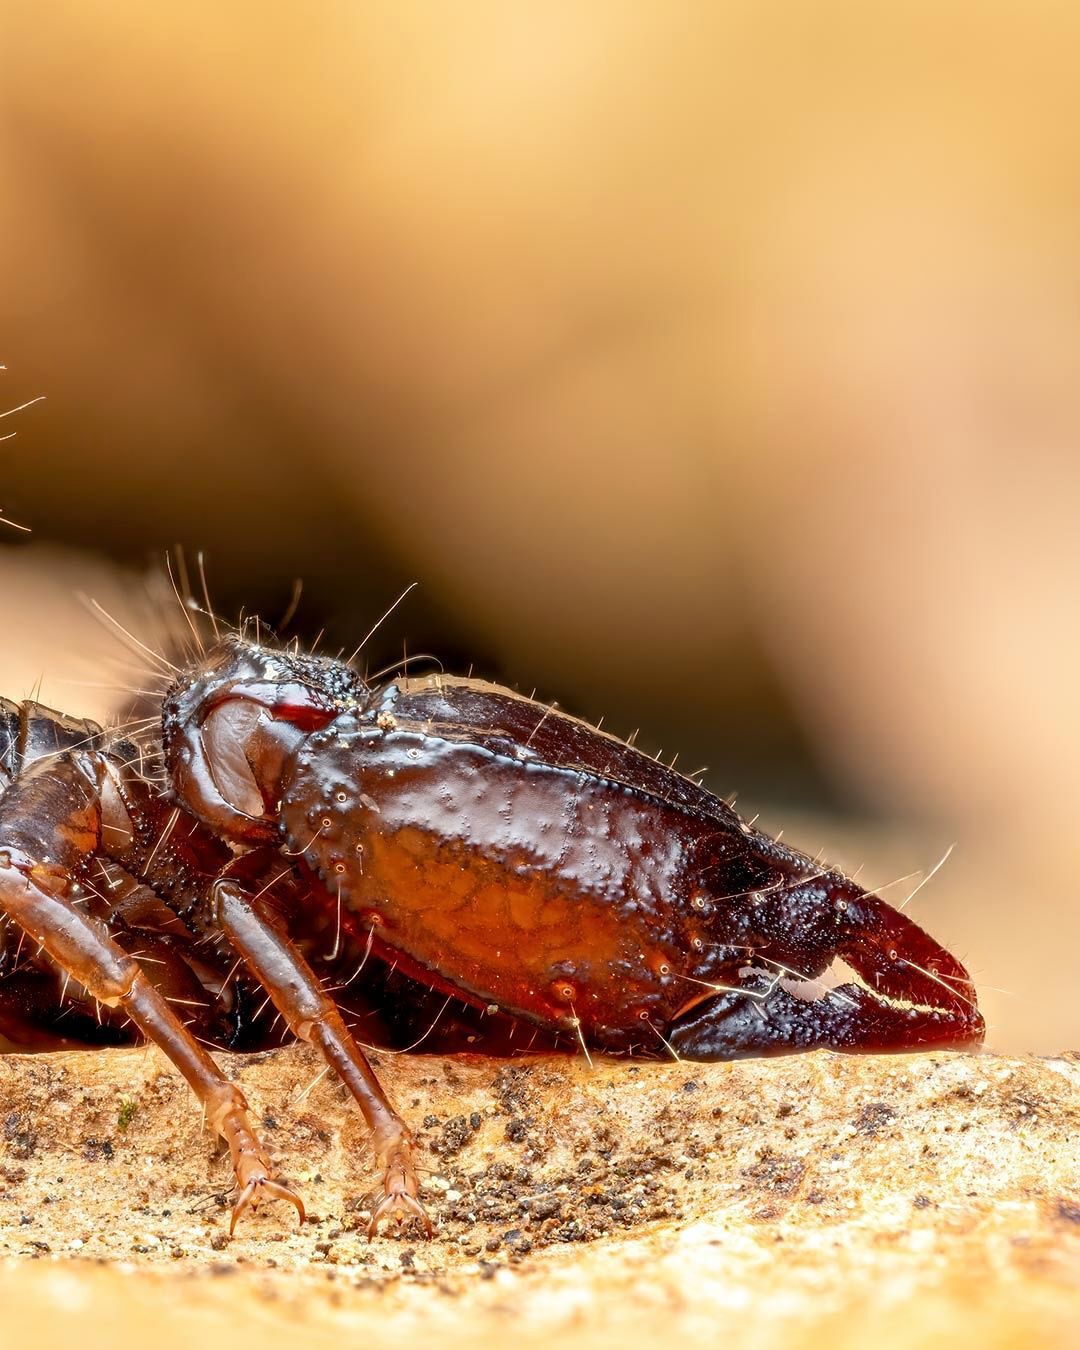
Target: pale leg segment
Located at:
point(258, 934)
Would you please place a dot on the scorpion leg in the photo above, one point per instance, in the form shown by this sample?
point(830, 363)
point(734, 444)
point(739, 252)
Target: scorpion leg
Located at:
point(914, 995)
point(258, 934)
point(57, 817)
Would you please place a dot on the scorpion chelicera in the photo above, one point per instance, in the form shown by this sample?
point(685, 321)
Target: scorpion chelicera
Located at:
point(286, 820)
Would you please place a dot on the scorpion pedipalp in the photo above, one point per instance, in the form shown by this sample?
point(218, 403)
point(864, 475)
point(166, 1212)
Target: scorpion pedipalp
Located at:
point(911, 992)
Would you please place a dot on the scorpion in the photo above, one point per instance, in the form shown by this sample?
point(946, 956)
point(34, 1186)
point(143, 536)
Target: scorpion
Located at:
point(284, 820)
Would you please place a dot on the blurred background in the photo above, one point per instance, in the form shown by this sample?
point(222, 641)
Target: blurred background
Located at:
point(713, 367)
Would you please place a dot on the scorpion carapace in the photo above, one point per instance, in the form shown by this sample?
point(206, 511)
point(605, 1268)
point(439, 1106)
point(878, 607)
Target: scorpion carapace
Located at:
point(444, 840)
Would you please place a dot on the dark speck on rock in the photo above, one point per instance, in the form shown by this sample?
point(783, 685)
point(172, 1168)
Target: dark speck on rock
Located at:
point(874, 1117)
point(545, 1206)
point(777, 1173)
point(22, 1142)
point(455, 1133)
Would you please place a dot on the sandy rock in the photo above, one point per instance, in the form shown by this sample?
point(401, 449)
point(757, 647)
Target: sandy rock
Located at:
point(819, 1199)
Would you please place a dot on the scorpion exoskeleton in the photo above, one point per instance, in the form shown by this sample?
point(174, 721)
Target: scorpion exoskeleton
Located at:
point(291, 819)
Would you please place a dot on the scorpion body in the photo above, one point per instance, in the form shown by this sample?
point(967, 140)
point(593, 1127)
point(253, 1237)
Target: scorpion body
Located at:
point(479, 845)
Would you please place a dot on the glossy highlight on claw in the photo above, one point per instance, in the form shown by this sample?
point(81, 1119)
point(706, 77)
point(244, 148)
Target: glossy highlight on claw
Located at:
point(478, 871)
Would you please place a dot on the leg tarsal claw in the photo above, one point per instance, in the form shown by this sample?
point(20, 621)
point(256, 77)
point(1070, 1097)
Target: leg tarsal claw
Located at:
point(263, 1187)
point(401, 1205)
point(400, 1187)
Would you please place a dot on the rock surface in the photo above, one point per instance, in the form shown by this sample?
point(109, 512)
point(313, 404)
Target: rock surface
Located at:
point(818, 1199)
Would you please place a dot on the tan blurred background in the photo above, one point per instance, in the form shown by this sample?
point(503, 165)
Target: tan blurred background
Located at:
point(712, 366)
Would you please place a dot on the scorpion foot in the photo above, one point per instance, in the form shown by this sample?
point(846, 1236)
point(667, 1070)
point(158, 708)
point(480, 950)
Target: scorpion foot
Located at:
point(403, 1206)
point(399, 1191)
point(263, 1187)
point(251, 1166)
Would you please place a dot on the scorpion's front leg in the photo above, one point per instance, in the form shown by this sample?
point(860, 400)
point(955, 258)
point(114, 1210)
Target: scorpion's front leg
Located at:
point(50, 823)
point(258, 934)
point(912, 994)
